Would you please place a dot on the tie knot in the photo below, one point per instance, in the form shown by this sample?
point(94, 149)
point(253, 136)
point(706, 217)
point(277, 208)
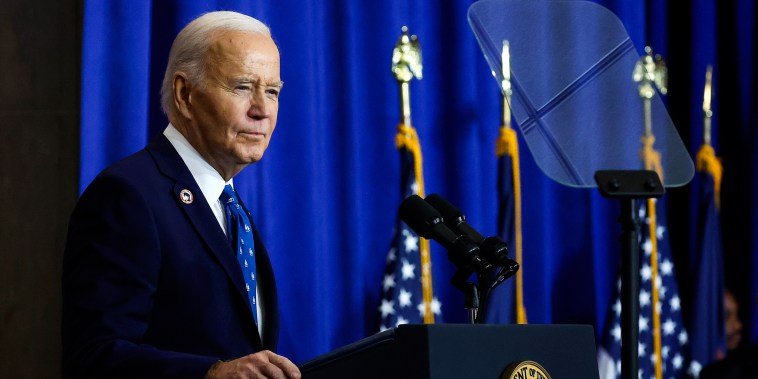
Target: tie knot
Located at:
point(228, 196)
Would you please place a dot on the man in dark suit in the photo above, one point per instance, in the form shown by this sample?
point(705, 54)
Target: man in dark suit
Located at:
point(152, 286)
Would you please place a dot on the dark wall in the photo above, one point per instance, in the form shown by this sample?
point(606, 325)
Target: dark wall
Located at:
point(39, 138)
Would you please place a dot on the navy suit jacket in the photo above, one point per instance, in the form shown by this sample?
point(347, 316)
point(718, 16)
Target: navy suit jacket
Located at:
point(151, 286)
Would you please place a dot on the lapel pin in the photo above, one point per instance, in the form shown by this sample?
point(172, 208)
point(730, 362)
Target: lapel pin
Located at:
point(186, 196)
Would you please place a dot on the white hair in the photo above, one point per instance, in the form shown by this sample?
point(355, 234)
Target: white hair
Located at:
point(191, 45)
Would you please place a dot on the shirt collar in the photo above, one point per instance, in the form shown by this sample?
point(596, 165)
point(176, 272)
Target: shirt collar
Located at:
point(208, 179)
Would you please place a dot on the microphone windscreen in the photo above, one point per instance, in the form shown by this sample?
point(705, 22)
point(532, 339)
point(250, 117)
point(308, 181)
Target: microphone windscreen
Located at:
point(419, 215)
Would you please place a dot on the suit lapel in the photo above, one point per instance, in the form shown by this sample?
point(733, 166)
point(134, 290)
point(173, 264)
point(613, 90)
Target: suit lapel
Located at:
point(188, 196)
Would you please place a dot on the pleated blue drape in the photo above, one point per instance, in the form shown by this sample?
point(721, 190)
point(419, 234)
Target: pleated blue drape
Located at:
point(326, 193)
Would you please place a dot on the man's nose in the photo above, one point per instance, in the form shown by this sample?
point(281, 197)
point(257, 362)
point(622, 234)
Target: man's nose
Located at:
point(260, 106)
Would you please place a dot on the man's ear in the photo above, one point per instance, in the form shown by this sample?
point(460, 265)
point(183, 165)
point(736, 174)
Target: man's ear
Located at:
point(182, 96)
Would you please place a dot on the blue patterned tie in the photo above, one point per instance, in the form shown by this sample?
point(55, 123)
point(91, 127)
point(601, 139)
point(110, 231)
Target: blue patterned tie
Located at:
point(240, 235)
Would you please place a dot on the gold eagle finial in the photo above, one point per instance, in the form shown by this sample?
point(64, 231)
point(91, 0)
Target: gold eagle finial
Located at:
point(406, 58)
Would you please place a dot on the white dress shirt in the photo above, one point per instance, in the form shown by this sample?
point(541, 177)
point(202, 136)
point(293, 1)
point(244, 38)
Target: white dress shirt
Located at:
point(211, 185)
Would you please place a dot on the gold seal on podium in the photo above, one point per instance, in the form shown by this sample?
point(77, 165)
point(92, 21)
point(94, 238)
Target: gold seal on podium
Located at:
point(525, 370)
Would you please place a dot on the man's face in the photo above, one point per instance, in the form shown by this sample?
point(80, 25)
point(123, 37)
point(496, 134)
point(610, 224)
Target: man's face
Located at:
point(233, 116)
point(733, 324)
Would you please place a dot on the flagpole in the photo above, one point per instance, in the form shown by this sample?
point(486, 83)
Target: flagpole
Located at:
point(508, 144)
point(650, 72)
point(708, 297)
point(406, 65)
point(706, 159)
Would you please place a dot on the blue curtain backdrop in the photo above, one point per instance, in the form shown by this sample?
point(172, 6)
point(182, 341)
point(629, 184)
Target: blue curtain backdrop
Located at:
point(325, 195)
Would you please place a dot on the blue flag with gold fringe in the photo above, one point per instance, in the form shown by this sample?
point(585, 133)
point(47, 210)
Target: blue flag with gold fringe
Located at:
point(706, 308)
point(506, 305)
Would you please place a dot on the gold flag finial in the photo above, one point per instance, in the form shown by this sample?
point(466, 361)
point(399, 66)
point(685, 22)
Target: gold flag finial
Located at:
point(651, 71)
point(707, 110)
point(406, 58)
point(661, 74)
point(406, 64)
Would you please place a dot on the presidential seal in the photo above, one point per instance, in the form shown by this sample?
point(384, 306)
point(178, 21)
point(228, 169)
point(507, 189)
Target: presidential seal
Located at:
point(525, 370)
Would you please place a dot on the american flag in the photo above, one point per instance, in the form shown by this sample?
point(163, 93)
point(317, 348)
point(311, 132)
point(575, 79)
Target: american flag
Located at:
point(673, 354)
point(403, 283)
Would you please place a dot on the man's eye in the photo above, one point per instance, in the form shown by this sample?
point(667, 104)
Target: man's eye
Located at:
point(273, 92)
point(242, 88)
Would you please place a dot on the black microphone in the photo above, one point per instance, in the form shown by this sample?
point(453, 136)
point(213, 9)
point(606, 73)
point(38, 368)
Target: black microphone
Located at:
point(428, 223)
point(494, 249)
point(454, 218)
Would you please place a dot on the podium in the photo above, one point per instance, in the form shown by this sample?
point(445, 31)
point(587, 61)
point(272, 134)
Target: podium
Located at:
point(461, 351)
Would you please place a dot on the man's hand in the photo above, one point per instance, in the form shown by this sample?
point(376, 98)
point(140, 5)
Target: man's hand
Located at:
point(263, 364)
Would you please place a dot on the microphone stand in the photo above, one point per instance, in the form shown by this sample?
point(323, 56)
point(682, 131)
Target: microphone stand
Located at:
point(470, 293)
point(474, 299)
point(471, 300)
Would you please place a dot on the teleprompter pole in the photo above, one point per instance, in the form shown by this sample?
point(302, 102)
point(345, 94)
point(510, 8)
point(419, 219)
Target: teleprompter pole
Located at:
point(630, 287)
point(627, 186)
